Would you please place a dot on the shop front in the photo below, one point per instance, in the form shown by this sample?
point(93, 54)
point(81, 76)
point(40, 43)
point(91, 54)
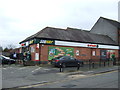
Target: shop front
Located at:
point(43, 51)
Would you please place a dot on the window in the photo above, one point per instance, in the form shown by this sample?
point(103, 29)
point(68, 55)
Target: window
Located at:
point(71, 58)
point(32, 49)
point(93, 53)
point(77, 52)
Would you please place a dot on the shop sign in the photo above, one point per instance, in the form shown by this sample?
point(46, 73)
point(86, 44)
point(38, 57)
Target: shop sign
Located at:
point(50, 42)
point(37, 46)
point(27, 43)
point(23, 44)
point(92, 45)
point(37, 41)
point(31, 42)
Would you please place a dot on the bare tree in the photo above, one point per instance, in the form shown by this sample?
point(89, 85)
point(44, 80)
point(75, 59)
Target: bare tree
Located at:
point(11, 46)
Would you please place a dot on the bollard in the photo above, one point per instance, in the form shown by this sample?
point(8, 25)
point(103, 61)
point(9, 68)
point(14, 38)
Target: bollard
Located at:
point(100, 64)
point(89, 64)
point(78, 66)
point(93, 65)
point(113, 63)
point(61, 68)
point(108, 62)
point(104, 63)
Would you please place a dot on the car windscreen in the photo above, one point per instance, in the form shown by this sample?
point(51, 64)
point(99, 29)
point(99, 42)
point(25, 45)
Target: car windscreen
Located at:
point(64, 57)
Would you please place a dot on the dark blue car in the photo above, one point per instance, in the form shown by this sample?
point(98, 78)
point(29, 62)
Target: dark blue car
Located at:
point(66, 61)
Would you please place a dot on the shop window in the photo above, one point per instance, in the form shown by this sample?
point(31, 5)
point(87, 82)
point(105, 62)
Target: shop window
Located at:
point(103, 54)
point(32, 49)
point(77, 52)
point(93, 53)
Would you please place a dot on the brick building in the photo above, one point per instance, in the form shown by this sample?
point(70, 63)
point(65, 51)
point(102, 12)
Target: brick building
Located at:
point(96, 44)
point(108, 27)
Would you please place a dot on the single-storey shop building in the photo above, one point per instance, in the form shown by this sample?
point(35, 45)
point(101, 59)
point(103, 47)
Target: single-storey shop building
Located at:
point(80, 44)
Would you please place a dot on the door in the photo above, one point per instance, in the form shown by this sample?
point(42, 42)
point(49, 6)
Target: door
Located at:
point(103, 54)
point(93, 54)
point(73, 61)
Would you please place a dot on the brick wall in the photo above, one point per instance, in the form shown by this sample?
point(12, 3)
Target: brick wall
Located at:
point(44, 52)
point(84, 53)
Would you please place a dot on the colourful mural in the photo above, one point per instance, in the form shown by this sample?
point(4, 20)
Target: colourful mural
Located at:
point(59, 51)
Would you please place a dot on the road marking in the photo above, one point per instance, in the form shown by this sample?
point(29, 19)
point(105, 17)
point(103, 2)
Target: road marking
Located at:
point(36, 69)
point(76, 76)
point(104, 73)
point(22, 68)
point(46, 69)
point(29, 86)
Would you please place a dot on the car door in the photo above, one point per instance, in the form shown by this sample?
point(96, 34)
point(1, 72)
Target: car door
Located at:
point(66, 60)
point(73, 61)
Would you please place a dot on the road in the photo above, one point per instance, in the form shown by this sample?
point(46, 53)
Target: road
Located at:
point(104, 80)
point(49, 77)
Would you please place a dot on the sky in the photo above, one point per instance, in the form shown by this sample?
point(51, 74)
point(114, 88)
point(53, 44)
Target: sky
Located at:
point(20, 19)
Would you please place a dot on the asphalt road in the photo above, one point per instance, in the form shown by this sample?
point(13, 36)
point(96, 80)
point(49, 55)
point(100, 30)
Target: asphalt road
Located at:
point(14, 76)
point(49, 77)
point(104, 80)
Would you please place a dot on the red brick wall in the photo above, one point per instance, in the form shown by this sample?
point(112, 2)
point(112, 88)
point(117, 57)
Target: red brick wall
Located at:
point(84, 53)
point(97, 54)
point(116, 54)
point(44, 52)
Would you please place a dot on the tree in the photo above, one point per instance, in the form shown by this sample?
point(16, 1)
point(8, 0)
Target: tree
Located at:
point(6, 50)
point(11, 46)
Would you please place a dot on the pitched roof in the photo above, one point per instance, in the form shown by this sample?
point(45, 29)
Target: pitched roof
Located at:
point(71, 34)
point(113, 22)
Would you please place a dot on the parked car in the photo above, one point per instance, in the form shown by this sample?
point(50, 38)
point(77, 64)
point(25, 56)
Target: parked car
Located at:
point(6, 60)
point(66, 61)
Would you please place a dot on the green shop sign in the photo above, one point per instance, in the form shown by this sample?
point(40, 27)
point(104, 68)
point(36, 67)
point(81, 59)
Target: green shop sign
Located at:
point(50, 42)
point(42, 41)
point(54, 52)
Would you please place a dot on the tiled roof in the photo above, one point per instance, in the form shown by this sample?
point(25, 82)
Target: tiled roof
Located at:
point(71, 34)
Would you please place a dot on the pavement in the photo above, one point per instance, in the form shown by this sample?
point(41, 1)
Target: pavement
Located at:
point(47, 74)
point(87, 70)
point(96, 71)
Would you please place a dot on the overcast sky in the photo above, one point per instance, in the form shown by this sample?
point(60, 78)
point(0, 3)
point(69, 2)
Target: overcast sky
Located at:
point(22, 18)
